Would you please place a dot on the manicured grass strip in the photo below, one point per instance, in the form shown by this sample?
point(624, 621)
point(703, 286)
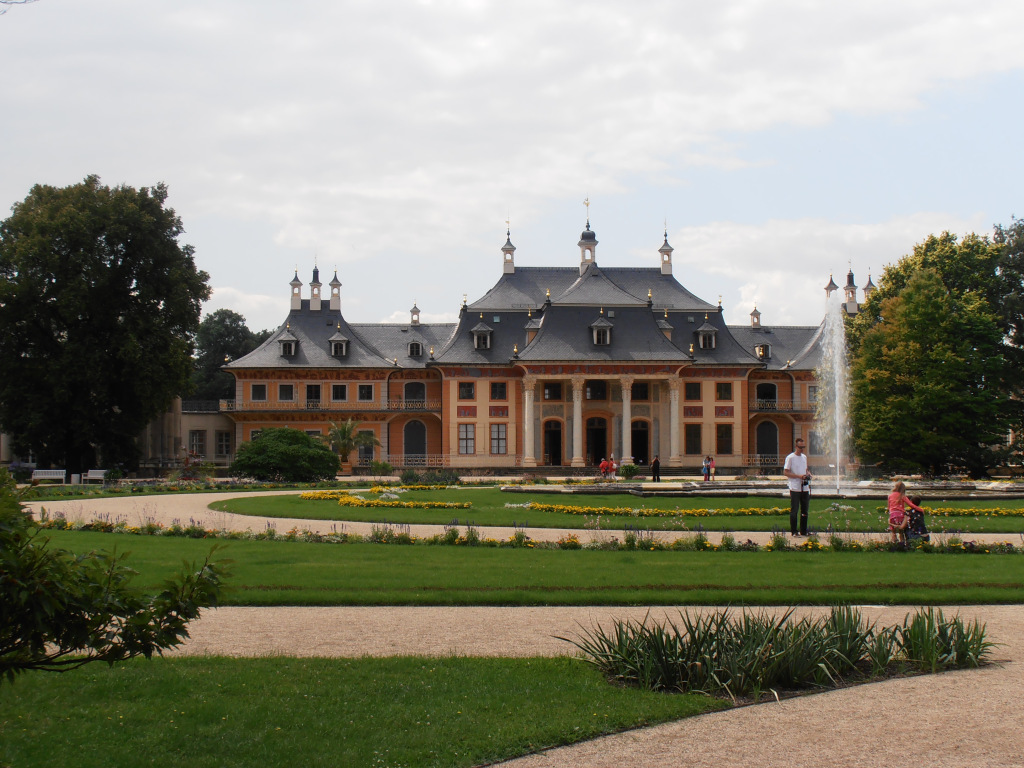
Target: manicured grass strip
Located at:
point(296, 573)
point(400, 711)
point(489, 509)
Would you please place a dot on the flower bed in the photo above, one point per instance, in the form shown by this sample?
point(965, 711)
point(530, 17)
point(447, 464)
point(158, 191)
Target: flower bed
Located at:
point(649, 512)
point(346, 499)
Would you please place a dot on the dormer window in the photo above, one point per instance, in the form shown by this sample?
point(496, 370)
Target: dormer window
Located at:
point(706, 334)
point(482, 334)
point(763, 351)
point(338, 342)
point(289, 344)
point(415, 349)
point(601, 331)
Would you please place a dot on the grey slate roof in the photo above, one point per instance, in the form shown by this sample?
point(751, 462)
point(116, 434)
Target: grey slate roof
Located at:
point(312, 331)
point(788, 343)
point(527, 288)
point(392, 340)
point(594, 288)
point(566, 335)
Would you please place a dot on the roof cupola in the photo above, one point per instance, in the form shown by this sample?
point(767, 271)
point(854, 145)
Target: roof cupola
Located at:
point(587, 243)
point(314, 290)
point(335, 293)
point(296, 285)
point(508, 251)
point(666, 255)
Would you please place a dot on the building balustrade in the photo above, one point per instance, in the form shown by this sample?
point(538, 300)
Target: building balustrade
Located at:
point(426, 460)
point(759, 405)
point(328, 405)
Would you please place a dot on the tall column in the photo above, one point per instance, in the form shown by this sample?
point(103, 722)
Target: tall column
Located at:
point(627, 419)
point(577, 422)
point(529, 385)
point(674, 459)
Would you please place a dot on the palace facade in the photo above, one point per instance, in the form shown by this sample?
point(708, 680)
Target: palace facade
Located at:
point(553, 366)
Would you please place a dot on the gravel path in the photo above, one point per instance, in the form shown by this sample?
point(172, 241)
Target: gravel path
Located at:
point(973, 718)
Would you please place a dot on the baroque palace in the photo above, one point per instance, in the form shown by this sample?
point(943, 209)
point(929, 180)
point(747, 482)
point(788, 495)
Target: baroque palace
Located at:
point(553, 366)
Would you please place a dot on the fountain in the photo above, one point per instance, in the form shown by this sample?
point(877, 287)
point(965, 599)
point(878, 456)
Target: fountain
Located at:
point(834, 385)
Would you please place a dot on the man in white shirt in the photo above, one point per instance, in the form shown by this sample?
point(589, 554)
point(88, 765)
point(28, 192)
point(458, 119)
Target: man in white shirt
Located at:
point(795, 469)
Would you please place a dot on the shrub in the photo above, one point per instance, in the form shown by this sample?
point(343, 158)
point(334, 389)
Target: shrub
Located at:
point(628, 471)
point(409, 477)
point(718, 654)
point(286, 455)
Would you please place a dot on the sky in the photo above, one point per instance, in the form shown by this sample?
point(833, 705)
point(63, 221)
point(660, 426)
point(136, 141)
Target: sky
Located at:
point(778, 142)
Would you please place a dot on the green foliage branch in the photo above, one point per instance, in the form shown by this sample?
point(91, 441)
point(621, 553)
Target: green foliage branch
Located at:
point(59, 610)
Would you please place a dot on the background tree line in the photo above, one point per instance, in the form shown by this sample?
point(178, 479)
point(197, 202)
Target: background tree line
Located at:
point(937, 353)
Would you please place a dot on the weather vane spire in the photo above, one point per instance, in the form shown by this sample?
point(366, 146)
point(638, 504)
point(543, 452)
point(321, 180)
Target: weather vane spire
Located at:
point(586, 202)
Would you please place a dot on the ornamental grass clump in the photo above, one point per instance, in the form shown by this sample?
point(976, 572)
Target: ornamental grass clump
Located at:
point(719, 654)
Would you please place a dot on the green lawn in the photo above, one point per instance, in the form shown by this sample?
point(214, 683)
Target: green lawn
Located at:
point(489, 510)
point(297, 573)
point(399, 711)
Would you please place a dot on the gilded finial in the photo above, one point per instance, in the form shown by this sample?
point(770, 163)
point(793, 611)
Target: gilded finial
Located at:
point(602, 310)
point(648, 294)
point(549, 293)
point(515, 349)
point(691, 349)
point(431, 352)
point(666, 313)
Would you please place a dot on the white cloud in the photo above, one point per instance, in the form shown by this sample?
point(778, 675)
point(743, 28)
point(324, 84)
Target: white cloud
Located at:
point(394, 137)
point(784, 265)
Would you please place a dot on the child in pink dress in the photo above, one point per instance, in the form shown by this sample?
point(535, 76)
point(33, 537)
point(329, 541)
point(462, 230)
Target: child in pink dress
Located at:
point(898, 503)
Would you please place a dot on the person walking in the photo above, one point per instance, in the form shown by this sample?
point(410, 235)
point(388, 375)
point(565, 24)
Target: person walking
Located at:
point(706, 468)
point(795, 470)
point(711, 467)
point(656, 469)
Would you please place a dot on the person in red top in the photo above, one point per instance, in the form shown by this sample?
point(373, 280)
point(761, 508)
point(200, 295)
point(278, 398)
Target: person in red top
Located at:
point(603, 466)
point(898, 503)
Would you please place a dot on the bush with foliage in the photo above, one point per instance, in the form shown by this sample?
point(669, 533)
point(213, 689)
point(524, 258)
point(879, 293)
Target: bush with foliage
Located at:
point(59, 610)
point(285, 455)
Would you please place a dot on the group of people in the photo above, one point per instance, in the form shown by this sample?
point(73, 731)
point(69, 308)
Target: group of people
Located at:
point(609, 468)
point(906, 517)
point(708, 468)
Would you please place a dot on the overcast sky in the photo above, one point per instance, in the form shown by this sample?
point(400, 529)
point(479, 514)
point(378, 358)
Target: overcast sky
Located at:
point(780, 140)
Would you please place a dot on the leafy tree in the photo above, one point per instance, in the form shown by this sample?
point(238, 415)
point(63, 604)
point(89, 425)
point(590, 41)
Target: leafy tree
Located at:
point(99, 305)
point(286, 455)
point(930, 380)
point(223, 336)
point(344, 438)
point(1011, 274)
point(59, 610)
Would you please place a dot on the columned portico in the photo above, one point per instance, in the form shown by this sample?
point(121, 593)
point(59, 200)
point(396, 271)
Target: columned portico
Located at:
point(577, 421)
point(529, 385)
point(674, 459)
point(626, 383)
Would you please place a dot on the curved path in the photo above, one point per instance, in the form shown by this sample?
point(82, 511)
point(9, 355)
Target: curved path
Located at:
point(973, 718)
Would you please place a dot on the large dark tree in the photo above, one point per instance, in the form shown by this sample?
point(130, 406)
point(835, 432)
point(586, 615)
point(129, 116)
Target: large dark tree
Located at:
point(99, 305)
point(935, 374)
point(223, 336)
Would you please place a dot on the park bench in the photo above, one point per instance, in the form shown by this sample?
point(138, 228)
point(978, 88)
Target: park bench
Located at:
point(95, 474)
point(49, 474)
